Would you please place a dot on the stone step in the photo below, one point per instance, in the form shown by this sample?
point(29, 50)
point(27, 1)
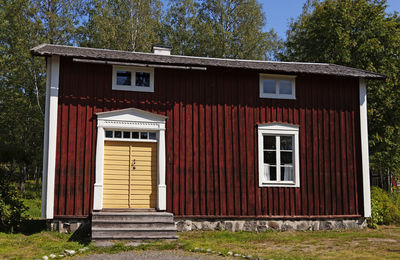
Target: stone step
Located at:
point(132, 225)
point(132, 213)
point(133, 216)
point(135, 228)
point(132, 234)
point(134, 238)
point(131, 220)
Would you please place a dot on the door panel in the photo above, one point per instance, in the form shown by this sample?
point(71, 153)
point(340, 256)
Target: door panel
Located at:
point(144, 175)
point(130, 175)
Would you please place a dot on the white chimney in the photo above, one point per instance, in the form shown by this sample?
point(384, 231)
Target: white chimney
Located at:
point(161, 50)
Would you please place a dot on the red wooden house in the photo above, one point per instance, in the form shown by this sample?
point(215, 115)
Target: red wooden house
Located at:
point(237, 144)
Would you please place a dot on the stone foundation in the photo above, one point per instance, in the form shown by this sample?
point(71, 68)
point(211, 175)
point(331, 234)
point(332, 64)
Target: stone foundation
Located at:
point(67, 225)
point(261, 225)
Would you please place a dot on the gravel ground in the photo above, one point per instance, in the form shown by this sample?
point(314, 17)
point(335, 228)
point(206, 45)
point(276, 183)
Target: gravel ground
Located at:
point(149, 254)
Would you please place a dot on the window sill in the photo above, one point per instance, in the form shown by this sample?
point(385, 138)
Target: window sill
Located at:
point(130, 88)
point(279, 184)
point(273, 96)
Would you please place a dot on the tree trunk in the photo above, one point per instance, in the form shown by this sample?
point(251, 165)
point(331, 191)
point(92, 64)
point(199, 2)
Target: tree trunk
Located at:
point(37, 177)
point(23, 178)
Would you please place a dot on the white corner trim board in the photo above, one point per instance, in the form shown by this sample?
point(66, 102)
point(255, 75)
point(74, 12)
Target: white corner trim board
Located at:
point(364, 148)
point(50, 136)
point(130, 119)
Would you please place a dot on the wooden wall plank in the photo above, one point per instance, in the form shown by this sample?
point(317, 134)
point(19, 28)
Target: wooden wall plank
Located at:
point(196, 145)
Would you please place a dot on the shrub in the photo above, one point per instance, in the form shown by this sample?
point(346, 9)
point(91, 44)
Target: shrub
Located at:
point(12, 208)
point(384, 208)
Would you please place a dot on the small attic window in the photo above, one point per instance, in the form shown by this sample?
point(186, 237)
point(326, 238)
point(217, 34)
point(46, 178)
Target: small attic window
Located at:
point(133, 79)
point(277, 86)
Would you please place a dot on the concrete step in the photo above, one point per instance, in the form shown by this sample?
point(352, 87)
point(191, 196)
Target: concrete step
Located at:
point(133, 238)
point(132, 213)
point(139, 228)
point(128, 233)
point(136, 216)
point(132, 225)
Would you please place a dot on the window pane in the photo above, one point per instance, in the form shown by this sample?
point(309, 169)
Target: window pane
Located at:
point(124, 78)
point(269, 142)
point(109, 134)
point(142, 79)
point(269, 86)
point(285, 87)
point(287, 174)
point(143, 135)
point(286, 158)
point(287, 143)
point(117, 134)
point(135, 135)
point(270, 157)
point(127, 134)
point(270, 172)
point(152, 136)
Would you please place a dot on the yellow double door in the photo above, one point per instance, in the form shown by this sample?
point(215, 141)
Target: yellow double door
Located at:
point(130, 175)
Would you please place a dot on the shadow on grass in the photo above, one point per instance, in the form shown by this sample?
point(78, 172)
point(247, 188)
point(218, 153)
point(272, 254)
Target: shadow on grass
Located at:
point(33, 226)
point(82, 234)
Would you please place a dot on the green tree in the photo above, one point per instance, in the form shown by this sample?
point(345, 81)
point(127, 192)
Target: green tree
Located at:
point(361, 34)
point(21, 85)
point(219, 28)
point(59, 19)
point(122, 24)
point(23, 25)
point(180, 26)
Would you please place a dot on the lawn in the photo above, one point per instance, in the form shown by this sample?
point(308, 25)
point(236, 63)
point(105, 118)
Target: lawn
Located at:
point(32, 199)
point(382, 243)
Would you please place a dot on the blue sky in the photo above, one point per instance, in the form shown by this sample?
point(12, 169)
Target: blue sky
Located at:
point(279, 12)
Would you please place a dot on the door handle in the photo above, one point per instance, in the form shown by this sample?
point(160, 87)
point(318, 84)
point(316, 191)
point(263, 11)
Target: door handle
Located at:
point(133, 164)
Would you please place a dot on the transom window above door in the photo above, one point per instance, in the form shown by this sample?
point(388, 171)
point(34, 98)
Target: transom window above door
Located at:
point(278, 155)
point(130, 135)
point(133, 79)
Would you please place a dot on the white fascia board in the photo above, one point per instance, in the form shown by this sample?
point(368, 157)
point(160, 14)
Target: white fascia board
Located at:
point(364, 148)
point(50, 136)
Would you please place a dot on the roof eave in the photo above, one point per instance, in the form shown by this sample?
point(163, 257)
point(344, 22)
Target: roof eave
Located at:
point(114, 55)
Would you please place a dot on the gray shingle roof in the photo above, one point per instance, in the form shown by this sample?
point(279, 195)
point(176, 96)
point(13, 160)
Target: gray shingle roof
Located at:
point(264, 66)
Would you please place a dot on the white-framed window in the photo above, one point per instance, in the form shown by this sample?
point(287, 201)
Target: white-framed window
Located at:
point(126, 135)
point(277, 86)
point(278, 155)
point(133, 79)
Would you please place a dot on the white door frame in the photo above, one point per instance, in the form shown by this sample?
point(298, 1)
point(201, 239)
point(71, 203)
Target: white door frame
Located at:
point(131, 119)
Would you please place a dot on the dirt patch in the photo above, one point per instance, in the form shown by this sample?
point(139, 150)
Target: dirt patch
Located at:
point(382, 240)
point(152, 254)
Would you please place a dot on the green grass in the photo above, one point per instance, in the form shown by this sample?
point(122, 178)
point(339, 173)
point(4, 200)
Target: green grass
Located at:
point(34, 208)
point(32, 199)
point(382, 243)
point(19, 246)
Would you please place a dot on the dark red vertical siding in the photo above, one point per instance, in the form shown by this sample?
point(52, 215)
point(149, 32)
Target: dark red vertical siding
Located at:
point(211, 141)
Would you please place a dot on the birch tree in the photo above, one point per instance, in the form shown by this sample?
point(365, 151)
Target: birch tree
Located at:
point(122, 24)
point(233, 29)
